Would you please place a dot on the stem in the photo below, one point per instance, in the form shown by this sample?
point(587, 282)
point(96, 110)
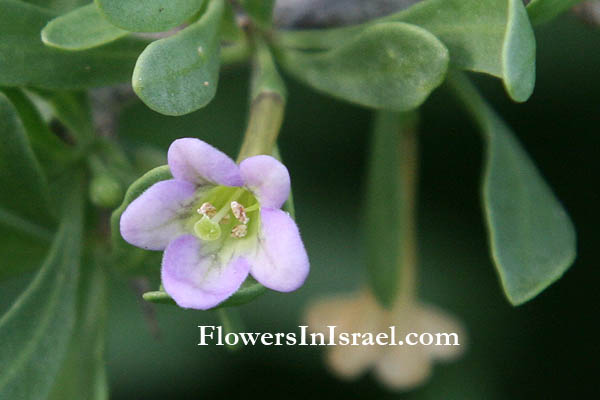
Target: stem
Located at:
point(232, 322)
point(266, 117)
point(267, 105)
point(390, 212)
point(407, 286)
point(235, 53)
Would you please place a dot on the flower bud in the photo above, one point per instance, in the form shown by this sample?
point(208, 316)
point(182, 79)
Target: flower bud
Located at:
point(105, 191)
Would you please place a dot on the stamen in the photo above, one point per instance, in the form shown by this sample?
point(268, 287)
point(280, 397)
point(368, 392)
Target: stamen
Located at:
point(225, 210)
point(207, 209)
point(239, 213)
point(239, 231)
point(225, 220)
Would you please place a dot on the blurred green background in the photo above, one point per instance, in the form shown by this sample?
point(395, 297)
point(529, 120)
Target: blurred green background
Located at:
point(545, 349)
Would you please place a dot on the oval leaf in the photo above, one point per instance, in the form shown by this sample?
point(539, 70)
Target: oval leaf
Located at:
point(26, 61)
point(35, 331)
point(518, 53)
point(388, 66)
point(178, 75)
point(148, 15)
point(80, 29)
point(531, 236)
point(474, 31)
point(542, 11)
point(59, 6)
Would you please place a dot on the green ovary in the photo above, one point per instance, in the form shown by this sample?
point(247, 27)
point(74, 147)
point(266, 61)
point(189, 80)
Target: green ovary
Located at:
point(206, 229)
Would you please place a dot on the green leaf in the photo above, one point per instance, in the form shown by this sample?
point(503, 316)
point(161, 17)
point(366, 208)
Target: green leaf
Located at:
point(60, 6)
point(83, 374)
point(479, 35)
point(542, 11)
point(260, 10)
point(35, 331)
point(24, 194)
point(26, 61)
point(518, 53)
point(21, 251)
point(390, 205)
point(49, 149)
point(531, 236)
point(230, 31)
point(179, 74)
point(80, 29)
point(148, 15)
point(392, 66)
point(73, 110)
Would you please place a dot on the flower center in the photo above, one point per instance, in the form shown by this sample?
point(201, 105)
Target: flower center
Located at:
point(223, 209)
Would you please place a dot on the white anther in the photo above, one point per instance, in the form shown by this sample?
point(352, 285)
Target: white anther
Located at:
point(207, 209)
point(239, 212)
point(239, 231)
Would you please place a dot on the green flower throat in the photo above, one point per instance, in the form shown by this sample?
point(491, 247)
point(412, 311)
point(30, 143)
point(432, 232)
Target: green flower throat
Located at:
point(225, 211)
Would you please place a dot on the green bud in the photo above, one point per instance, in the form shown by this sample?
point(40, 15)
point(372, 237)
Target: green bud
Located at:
point(105, 191)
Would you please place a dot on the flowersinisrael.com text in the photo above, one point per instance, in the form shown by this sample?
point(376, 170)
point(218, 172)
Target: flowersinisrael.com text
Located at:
point(215, 335)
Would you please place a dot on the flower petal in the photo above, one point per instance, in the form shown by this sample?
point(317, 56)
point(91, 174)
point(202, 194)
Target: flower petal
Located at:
point(198, 162)
point(360, 314)
point(280, 262)
point(403, 367)
point(349, 362)
point(267, 178)
point(435, 320)
point(195, 278)
point(337, 311)
point(157, 216)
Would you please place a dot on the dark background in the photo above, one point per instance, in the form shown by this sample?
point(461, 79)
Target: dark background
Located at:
point(547, 348)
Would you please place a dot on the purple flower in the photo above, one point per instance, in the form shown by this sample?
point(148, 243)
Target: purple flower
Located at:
point(217, 222)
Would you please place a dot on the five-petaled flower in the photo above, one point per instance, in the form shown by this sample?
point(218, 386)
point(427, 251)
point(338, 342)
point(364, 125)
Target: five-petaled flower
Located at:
point(400, 367)
point(217, 222)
